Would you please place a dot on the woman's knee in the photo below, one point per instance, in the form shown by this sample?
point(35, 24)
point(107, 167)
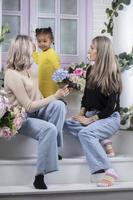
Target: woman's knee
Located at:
point(50, 131)
point(59, 105)
point(68, 123)
point(86, 134)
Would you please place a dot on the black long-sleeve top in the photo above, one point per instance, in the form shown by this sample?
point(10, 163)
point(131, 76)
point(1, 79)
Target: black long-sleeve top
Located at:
point(94, 99)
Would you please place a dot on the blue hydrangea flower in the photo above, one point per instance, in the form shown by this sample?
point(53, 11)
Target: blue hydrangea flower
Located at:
point(60, 75)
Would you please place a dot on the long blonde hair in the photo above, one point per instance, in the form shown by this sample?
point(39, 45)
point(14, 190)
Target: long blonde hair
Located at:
point(20, 53)
point(105, 72)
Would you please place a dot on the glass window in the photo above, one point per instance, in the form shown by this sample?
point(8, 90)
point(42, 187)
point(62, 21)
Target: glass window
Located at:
point(11, 5)
point(68, 36)
point(14, 24)
point(46, 6)
point(47, 22)
point(68, 7)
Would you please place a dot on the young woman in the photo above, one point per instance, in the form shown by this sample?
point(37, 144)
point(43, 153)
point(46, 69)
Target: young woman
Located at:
point(99, 116)
point(45, 115)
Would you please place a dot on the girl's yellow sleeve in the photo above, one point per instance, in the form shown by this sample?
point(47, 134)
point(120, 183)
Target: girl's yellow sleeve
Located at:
point(35, 56)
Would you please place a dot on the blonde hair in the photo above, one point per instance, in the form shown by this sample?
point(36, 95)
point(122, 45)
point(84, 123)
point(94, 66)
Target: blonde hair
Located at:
point(105, 73)
point(20, 53)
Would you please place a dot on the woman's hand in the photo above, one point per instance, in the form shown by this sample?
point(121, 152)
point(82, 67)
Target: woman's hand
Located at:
point(62, 92)
point(82, 119)
point(81, 113)
point(85, 120)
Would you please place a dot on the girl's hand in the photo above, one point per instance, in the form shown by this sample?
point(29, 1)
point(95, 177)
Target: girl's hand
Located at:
point(62, 92)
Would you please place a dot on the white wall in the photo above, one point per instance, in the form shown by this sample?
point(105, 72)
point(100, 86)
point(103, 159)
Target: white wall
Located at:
point(123, 30)
point(99, 15)
point(96, 17)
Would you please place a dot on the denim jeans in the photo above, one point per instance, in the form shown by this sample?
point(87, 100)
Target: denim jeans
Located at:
point(90, 137)
point(45, 125)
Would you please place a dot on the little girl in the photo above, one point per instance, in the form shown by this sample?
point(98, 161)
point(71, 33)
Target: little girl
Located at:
point(48, 61)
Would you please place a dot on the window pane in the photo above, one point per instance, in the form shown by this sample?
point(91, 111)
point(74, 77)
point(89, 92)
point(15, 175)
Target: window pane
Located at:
point(46, 6)
point(68, 36)
point(68, 7)
point(14, 24)
point(46, 22)
point(11, 5)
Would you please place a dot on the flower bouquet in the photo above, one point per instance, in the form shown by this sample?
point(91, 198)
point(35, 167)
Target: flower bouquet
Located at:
point(11, 118)
point(73, 76)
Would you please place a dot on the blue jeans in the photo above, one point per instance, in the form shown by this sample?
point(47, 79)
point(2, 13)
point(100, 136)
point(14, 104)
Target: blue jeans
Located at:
point(45, 125)
point(90, 137)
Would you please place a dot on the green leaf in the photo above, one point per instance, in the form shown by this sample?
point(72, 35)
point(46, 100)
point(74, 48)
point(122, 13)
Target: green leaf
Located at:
point(110, 12)
point(105, 24)
point(116, 14)
point(107, 10)
point(103, 31)
point(1, 39)
point(120, 7)
point(120, 1)
point(122, 55)
point(3, 31)
point(125, 110)
point(126, 2)
point(114, 5)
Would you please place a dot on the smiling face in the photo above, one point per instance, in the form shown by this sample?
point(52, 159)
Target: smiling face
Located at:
point(44, 41)
point(92, 52)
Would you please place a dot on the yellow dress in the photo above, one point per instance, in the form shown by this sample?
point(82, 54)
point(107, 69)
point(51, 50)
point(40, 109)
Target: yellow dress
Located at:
point(48, 62)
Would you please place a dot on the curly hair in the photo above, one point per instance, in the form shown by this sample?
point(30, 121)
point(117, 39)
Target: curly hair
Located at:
point(47, 31)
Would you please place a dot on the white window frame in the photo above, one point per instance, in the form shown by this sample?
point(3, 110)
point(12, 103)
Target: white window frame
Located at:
point(29, 20)
point(24, 21)
point(81, 35)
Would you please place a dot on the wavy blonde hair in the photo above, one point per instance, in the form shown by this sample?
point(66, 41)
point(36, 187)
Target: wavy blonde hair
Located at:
point(105, 73)
point(20, 53)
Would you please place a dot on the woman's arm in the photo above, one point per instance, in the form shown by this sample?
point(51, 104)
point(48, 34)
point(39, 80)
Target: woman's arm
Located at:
point(17, 87)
